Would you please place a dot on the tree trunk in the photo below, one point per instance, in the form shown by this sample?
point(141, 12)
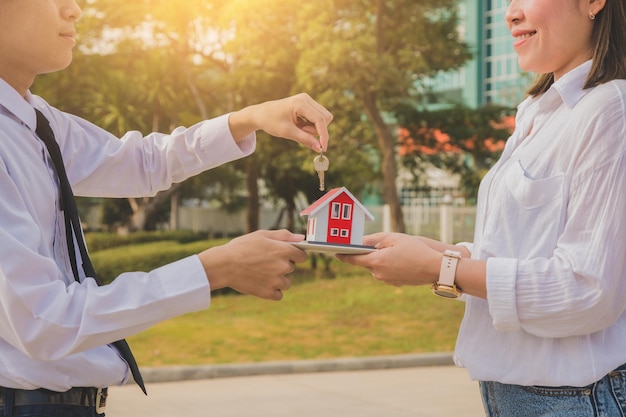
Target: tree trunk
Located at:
point(291, 213)
point(144, 207)
point(389, 166)
point(138, 218)
point(174, 204)
point(253, 194)
point(204, 114)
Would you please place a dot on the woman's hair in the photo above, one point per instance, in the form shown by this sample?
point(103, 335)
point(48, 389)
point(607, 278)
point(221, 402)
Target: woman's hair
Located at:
point(609, 49)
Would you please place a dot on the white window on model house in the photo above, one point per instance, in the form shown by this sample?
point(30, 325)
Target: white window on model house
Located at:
point(335, 211)
point(311, 226)
point(345, 232)
point(347, 212)
point(334, 232)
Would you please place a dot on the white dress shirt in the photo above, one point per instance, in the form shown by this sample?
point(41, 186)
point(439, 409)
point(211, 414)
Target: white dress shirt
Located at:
point(551, 226)
point(54, 331)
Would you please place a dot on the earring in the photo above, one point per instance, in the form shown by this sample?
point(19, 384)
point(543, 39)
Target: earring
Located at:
point(592, 16)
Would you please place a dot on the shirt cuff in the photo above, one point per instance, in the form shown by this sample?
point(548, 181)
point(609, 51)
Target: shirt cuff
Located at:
point(185, 285)
point(467, 245)
point(228, 150)
point(501, 295)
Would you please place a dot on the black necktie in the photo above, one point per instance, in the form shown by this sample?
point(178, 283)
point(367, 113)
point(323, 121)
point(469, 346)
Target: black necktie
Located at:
point(72, 228)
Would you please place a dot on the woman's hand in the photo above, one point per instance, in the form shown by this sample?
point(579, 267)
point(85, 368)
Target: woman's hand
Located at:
point(399, 259)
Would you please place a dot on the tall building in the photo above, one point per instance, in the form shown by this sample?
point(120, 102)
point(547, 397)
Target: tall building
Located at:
point(499, 79)
point(493, 75)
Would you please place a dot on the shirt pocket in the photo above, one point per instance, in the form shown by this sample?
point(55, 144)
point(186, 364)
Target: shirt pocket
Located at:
point(525, 220)
point(531, 193)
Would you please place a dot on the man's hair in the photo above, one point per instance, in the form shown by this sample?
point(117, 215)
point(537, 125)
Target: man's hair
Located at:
point(609, 49)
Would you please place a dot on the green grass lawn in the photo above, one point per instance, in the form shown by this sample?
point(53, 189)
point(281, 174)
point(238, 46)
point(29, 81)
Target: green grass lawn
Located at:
point(348, 316)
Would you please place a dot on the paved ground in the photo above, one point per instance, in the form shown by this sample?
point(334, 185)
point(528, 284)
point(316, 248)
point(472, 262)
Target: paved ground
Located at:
point(422, 391)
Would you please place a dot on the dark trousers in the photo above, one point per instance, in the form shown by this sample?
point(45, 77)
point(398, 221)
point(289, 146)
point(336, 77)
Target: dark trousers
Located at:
point(9, 408)
point(50, 410)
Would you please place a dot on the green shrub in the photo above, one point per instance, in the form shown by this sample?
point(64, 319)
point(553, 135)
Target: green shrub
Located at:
point(110, 263)
point(97, 241)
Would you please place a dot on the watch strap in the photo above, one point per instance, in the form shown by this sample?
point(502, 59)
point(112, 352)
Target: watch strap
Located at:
point(447, 272)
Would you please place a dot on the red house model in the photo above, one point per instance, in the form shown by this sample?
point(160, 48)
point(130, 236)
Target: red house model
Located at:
point(336, 218)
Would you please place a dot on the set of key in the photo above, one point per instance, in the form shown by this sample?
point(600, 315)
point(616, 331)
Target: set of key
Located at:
point(320, 162)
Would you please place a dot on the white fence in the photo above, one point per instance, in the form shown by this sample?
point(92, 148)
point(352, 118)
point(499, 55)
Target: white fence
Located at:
point(448, 223)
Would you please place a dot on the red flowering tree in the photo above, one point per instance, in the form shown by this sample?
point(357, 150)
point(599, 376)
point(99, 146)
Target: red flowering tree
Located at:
point(461, 140)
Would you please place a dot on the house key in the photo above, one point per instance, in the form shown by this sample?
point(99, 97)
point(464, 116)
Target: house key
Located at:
point(321, 165)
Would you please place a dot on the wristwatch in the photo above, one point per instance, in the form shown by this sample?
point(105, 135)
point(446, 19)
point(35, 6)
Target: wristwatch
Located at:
point(445, 287)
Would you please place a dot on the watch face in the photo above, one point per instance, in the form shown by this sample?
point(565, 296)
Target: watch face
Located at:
point(446, 292)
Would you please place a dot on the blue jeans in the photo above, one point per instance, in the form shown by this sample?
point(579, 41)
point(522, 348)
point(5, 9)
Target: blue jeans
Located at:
point(605, 398)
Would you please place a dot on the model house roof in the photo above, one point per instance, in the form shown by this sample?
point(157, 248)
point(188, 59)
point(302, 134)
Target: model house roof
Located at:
point(330, 196)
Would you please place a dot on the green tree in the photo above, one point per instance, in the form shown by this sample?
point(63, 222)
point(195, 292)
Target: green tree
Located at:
point(152, 64)
point(170, 60)
point(141, 66)
point(262, 54)
point(371, 54)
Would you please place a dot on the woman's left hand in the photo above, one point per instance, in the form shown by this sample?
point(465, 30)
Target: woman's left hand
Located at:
point(399, 259)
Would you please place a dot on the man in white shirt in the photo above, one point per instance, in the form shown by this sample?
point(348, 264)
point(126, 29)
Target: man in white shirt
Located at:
point(54, 331)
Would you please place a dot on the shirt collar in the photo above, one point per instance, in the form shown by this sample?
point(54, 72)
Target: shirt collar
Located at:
point(570, 86)
point(568, 89)
point(17, 107)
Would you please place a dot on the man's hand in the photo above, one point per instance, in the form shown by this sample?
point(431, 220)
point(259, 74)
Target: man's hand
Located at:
point(255, 264)
point(299, 118)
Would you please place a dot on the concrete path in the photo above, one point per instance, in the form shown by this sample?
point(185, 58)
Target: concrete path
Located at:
point(421, 391)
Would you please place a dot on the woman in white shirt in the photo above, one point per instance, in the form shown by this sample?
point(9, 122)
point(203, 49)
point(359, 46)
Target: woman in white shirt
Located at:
point(545, 279)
